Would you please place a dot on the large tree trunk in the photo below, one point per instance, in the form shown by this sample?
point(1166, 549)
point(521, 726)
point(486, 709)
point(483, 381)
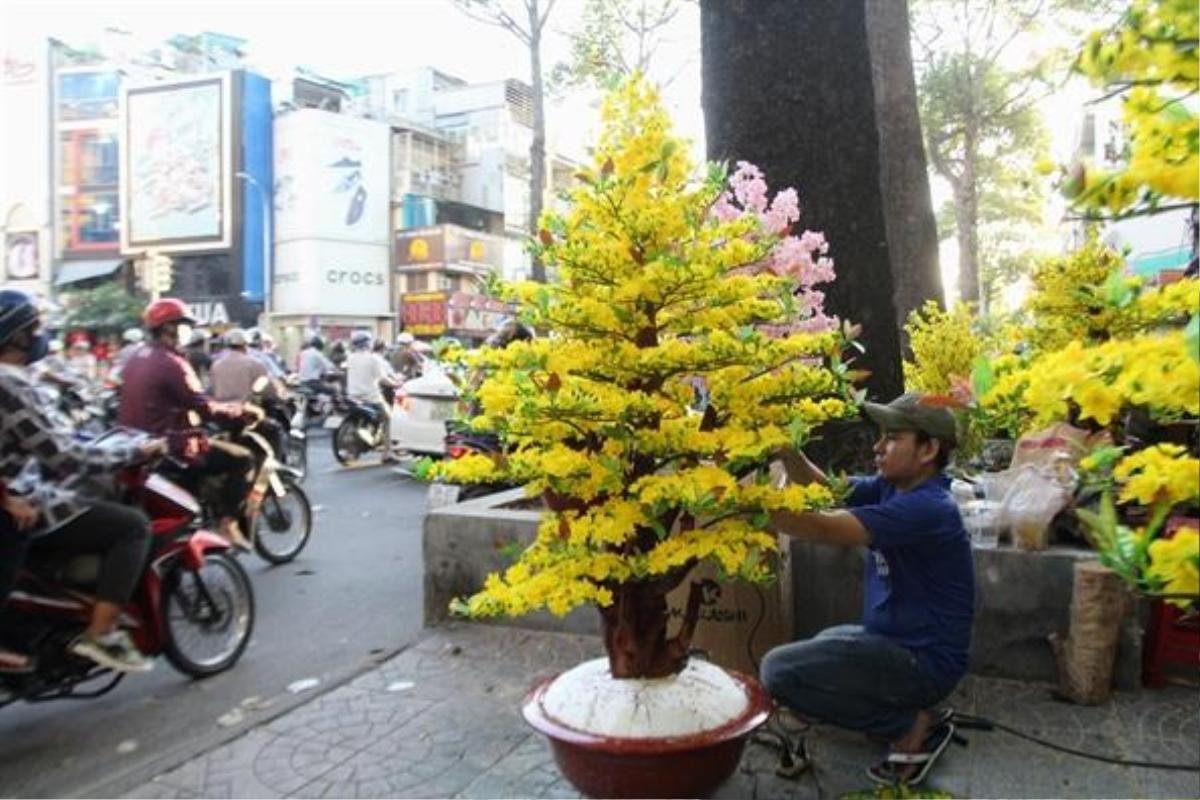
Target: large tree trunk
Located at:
point(907, 204)
point(787, 86)
point(537, 149)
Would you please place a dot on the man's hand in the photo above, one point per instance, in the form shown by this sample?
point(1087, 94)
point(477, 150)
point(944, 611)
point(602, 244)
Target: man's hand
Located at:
point(836, 528)
point(23, 512)
point(799, 469)
point(155, 448)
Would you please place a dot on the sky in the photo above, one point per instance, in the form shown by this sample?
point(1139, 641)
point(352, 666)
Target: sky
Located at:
point(350, 38)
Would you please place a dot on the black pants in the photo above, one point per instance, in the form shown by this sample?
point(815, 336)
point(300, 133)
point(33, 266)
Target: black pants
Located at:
point(120, 535)
point(233, 463)
point(13, 545)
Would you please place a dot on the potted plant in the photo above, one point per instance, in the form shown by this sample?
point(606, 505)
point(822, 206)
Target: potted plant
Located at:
point(683, 346)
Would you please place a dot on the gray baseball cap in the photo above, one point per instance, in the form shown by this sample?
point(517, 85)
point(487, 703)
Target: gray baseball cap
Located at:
point(913, 411)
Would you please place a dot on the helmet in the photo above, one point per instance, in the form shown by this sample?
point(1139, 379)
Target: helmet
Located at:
point(317, 342)
point(199, 337)
point(405, 338)
point(133, 336)
point(168, 309)
point(17, 312)
point(255, 337)
point(235, 337)
point(361, 339)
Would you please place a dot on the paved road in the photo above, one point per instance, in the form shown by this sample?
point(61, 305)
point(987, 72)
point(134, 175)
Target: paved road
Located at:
point(355, 593)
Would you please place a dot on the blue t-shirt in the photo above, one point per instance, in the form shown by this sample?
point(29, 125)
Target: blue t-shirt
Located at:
point(919, 582)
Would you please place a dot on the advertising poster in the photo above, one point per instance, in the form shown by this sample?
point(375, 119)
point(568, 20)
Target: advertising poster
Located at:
point(321, 277)
point(21, 261)
point(176, 166)
point(331, 178)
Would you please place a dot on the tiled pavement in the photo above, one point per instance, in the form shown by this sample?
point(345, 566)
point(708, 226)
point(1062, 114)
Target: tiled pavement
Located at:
point(441, 719)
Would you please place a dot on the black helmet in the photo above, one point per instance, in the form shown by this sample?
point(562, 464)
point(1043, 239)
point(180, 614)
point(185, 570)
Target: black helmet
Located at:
point(17, 312)
point(317, 342)
point(508, 331)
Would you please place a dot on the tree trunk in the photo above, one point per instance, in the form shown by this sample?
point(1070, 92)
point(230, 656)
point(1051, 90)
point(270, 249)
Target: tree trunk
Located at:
point(635, 628)
point(908, 207)
point(788, 86)
point(537, 149)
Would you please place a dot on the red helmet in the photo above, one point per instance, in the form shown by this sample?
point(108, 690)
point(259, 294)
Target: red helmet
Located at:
point(168, 309)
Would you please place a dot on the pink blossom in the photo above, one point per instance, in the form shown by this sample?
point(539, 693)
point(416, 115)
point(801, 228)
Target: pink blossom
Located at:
point(785, 209)
point(749, 187)
point(819, 324)
point(725, 211)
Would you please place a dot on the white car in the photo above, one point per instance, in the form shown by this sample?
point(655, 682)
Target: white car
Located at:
point(422, 407)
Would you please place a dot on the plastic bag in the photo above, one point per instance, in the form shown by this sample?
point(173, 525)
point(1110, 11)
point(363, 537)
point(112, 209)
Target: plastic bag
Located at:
point(1033, 500)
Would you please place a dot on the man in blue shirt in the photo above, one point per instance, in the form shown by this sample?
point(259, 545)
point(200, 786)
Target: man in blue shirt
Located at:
point(886, 675)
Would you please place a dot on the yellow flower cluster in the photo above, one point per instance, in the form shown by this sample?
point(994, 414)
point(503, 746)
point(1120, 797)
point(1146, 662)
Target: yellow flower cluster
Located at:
point(1153, 49)
point(653, 309)
point(1067, 301)
point(1175, 566)
point(944, 345)
point(1172, 303)
point(1164, 474)
point(1153, 371)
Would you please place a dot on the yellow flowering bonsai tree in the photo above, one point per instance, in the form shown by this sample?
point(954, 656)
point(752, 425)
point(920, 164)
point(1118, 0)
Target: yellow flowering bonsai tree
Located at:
point(1150, 57)
point(683, 346)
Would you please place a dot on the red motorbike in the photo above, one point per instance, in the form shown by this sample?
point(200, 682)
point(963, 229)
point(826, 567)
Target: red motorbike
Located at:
point(194, 603)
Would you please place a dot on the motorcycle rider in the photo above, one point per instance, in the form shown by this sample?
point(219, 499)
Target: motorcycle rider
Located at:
point(365, 372)
point(198, 356)
point(261, 348)
point(313, 365)
point(233, 378)
point(405, 359)
point(158, 391)
point(40, 463)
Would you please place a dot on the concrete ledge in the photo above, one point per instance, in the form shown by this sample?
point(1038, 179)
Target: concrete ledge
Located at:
point(461, 545)
point(1021, 596)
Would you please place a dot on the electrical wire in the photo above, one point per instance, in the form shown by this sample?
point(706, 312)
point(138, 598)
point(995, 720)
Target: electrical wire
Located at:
point(983, 724)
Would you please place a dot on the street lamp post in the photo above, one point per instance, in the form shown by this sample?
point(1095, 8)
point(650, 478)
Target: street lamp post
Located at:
point(268, 266)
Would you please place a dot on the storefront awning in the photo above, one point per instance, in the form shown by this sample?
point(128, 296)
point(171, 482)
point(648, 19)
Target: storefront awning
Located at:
point(75, 271)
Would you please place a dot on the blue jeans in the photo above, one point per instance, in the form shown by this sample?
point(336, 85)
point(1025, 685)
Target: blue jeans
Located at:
point(853, 679)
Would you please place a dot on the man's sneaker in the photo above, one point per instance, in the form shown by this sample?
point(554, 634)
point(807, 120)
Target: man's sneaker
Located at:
point(113, 650)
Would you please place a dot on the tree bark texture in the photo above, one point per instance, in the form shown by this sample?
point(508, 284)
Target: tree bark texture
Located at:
point(635, 628)
point(966, 223)
point(788, 86)
point(908, 207)
point(537, 148)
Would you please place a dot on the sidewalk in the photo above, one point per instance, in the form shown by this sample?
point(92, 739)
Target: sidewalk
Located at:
point(441, 719)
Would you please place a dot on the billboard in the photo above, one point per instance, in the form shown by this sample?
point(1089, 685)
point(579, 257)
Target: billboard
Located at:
point(330, 278)
point(448, 244)
point(21, 257)
point(424, 313)
point(176, 166)
point(331, 178)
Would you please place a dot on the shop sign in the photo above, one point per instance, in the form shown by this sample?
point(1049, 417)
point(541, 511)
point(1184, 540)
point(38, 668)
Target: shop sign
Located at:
point(424, 314)
point(475, 314)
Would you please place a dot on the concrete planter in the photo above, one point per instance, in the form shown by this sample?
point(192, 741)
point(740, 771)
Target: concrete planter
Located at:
point(681, 736)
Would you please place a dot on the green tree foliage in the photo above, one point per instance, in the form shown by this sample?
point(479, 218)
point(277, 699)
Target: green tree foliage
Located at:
point(614, 39)
point(978, 96)
point(108, 306)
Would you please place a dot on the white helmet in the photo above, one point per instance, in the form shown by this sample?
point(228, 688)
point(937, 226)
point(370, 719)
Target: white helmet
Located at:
point(405, 338)
point(133, 336)
point(235, 337)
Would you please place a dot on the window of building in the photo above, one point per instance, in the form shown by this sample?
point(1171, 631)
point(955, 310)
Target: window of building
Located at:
point(89, 221)
point(88, 95)
point(400, 101)
point(416, 281)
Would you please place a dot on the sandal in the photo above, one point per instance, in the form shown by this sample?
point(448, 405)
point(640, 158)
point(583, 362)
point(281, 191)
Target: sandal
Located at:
point(14, 663)
point(890, 770)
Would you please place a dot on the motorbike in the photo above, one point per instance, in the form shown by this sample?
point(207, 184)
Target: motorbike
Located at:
point(286, 413)
point(360, 431)
point(461, 441)
point(194, 602)
point(317, 403)
point(278, 516)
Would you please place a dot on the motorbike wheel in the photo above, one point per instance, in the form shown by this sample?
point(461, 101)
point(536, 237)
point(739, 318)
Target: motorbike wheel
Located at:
point(284, 525)
point(347, 444)
point(297, 457)
point(208, 615)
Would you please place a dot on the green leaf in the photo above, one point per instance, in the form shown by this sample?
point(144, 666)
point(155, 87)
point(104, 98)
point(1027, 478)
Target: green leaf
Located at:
point(983, 376)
